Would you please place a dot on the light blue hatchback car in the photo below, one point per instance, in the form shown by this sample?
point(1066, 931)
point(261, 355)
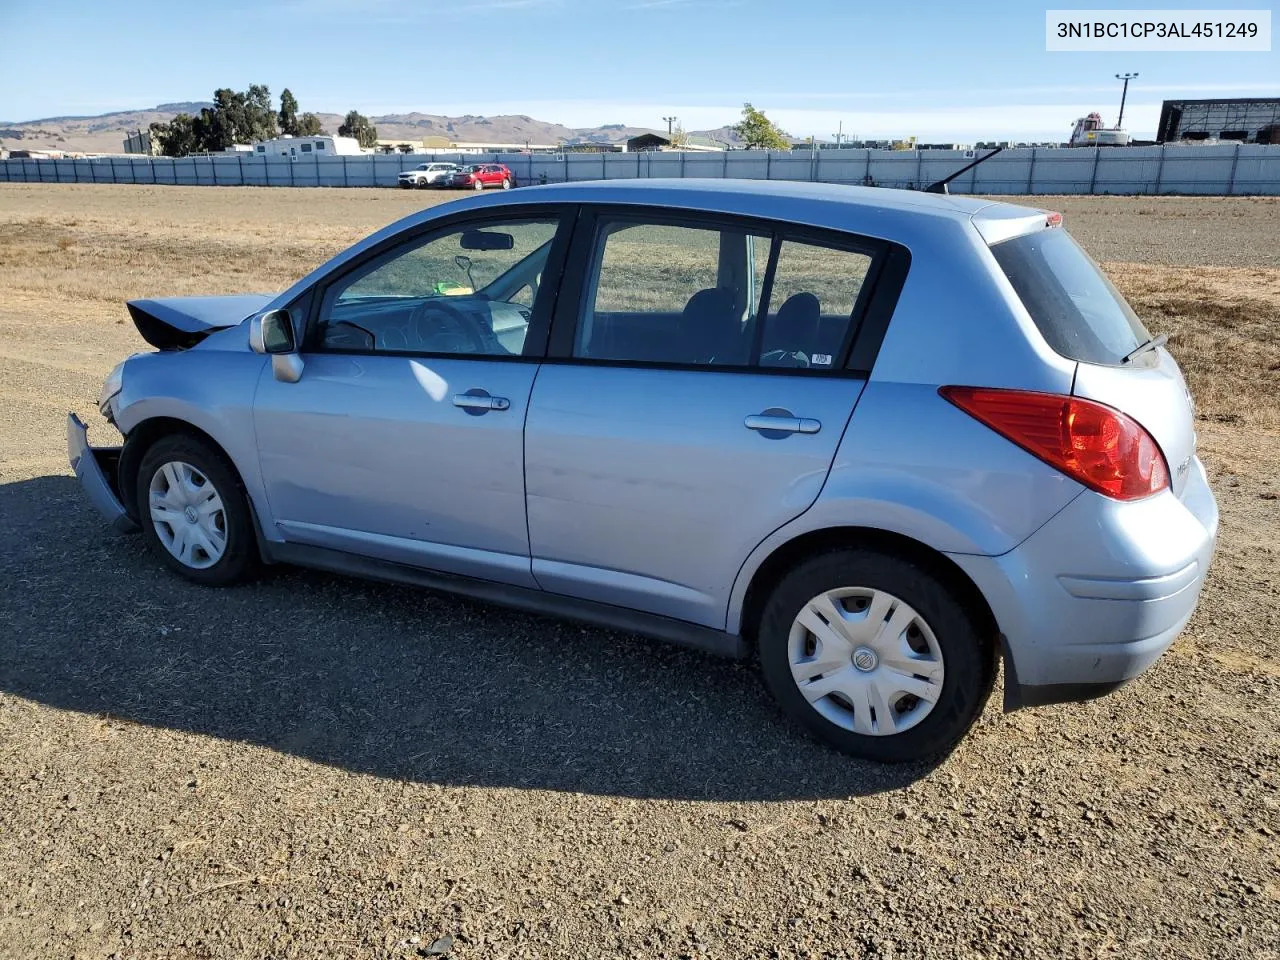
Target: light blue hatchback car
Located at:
point(878, 438)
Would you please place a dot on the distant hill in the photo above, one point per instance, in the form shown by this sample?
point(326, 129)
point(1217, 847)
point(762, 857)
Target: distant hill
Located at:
point(725, 134)
point(100, 134)
point(105, 133)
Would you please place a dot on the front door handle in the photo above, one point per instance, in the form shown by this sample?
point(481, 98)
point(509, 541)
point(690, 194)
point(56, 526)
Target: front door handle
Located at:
point(775, 423)
point(480, 402)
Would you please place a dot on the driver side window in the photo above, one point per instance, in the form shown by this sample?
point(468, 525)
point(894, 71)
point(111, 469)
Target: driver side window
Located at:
point(469, 290)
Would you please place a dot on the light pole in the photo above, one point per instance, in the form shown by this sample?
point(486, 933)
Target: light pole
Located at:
point(1126, 77)
point(670, 121)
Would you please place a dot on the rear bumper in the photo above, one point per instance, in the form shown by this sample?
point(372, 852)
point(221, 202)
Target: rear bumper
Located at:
point(1096, 595)
point(95, 468)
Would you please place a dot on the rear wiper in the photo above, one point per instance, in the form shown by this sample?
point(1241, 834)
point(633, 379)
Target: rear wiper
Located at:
point(1146, 345)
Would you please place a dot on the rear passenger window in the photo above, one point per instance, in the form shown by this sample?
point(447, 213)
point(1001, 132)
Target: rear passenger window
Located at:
point(672, 294)
point(815, 291)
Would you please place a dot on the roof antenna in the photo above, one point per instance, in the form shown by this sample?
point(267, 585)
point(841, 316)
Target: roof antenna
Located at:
point(941, 185)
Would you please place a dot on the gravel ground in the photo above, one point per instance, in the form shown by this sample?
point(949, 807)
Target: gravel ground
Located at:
point(1174, 231)
point(316, 766)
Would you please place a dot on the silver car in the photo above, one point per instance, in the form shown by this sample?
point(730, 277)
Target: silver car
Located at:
point(878, 439)
point(437, 174)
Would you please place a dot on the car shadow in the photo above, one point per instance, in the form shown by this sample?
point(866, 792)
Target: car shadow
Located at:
point(386, 680)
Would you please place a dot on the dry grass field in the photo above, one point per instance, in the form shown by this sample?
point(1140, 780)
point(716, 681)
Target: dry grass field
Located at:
point(314, 766)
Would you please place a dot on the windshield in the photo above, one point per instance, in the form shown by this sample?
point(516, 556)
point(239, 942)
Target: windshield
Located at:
point(1078, 311)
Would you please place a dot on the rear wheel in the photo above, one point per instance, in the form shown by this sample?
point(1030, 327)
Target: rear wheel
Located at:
point(194, 513)
point(506, 183)
point(874, 655)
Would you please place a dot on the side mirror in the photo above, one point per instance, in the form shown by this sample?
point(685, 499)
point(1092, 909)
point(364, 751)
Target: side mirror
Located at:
point(272, 333)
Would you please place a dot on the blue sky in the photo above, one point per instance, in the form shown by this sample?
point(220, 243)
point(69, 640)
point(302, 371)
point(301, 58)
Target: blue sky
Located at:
point(938, 70)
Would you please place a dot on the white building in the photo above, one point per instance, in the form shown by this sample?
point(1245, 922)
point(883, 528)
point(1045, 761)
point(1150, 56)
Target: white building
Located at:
point(323, 146)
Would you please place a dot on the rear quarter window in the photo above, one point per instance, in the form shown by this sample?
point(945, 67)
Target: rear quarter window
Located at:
point(1078, 311)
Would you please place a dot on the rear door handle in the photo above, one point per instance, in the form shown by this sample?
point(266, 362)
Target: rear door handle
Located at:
point(773, 423)
point(480, 401)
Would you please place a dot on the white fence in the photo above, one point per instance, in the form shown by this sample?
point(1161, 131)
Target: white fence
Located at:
point(1221, 170)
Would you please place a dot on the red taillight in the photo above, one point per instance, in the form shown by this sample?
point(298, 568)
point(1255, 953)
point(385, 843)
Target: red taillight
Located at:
point(1053, 220)
point(1095, 444)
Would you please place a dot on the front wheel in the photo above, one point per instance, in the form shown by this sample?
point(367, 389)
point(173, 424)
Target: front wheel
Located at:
point(874, 655)
point(506, 183)
point(479, 184)
point(195, 516)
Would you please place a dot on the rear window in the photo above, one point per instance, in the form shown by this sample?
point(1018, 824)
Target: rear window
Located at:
point(1079, 313)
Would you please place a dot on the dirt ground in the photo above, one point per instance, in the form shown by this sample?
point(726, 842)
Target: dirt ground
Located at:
point(315, 766)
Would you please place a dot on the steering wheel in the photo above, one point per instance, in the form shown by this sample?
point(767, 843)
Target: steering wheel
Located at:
point(797, 358)
point(453, 317)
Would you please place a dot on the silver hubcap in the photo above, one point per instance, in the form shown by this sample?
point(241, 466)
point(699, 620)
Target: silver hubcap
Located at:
point(865, 660)
point(188, 515)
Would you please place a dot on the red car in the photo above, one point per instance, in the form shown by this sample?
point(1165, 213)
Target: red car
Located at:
point(477, 176)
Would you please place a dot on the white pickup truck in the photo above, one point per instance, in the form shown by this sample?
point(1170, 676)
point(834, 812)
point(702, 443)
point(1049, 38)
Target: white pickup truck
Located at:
point(429, 175)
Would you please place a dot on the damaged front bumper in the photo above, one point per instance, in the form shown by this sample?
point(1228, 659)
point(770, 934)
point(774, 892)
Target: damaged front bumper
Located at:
point(95, 467)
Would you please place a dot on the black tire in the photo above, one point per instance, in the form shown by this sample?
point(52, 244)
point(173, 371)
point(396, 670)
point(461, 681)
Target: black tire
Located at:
point(240, 554)
point(506, 183)
point(968, 657)
point(478, 185)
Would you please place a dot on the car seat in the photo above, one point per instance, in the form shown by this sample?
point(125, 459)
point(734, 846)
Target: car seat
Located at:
point(711, 331)
point(795, 329)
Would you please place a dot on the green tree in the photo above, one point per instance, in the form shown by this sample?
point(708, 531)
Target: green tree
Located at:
point(159, 130)
point(357, 125)
point(215, 126)
point(288, 113)
point(758, 132)
point(678, 137)
point(260, 116)
point(236, 117)
point(309, 125)
point(177, 138)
